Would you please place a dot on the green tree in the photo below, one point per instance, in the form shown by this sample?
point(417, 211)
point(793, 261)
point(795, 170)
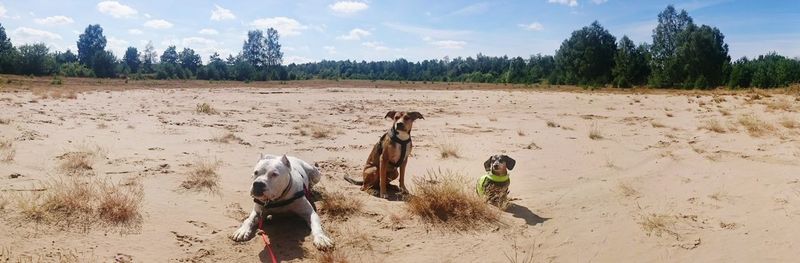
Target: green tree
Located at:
point(8, 54)
point(92, 41)
point(667, 37)
point(587, 56)
point(131, 59)
point(254, 50)
point(104, 64)
point(630, 64)
point(36, 60)
point(516, 71)
point(66, 57)
point(274, 56)
point(189, 60)
point(170, 56)
point(703, 57)
point(148, 58)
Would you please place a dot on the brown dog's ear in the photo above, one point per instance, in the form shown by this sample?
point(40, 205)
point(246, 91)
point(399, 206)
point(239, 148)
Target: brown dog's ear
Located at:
point(487, 164)
point(509, 162)
point(415, 115)
point(390, 114)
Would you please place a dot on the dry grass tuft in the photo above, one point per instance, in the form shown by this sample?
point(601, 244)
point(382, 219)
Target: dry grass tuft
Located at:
point(659, 224)
point(527, 256)
point(552, 124)
point(336, 204)
point(7, 150)
point(203, 175)
point(627, 190)
point(332, 256)
point(80, 160)
point(520, 132)
point(779, 105)
point(4, 121)
point(102, 125)
point(444, 198)
point(67, 202)
point(713, 125)
point(205, 108)
point(789, 122)
point(448, 149)
point(595, 133)
point(657, 124)
point(316, 130)
point(228, 138)
point(755, 126)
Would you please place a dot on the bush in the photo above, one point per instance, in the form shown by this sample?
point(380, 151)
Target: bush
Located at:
point(75, 69)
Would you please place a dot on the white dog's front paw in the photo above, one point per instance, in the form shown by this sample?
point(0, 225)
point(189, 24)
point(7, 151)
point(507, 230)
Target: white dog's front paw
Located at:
point(322, 242)
point(243, 234)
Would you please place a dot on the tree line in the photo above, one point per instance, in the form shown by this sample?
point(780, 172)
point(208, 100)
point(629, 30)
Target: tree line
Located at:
point(682, 54)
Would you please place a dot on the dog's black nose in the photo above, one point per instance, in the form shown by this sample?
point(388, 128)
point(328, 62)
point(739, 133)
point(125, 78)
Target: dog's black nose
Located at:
point(258, 188)
point(400, 125)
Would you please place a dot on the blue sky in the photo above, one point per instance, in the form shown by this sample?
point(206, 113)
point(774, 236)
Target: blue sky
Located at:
point(313, 30)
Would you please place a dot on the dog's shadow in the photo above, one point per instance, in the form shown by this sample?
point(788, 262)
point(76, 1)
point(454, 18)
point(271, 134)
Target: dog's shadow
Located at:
point(287, 234)
point(519, 211)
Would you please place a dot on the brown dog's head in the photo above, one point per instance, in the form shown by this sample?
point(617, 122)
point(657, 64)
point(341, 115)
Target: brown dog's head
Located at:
point(499, 164)
point(403, 121)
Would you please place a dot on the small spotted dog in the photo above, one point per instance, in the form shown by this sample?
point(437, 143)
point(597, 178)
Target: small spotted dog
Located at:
point(493, 186)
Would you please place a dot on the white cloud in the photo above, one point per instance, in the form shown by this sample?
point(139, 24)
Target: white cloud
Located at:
point(117, 46)
point(296, 59)
point(597, 2)
point(208, 31)
point(348, 7)
point(158, 24)
point(564, 2)
point(3, 11)
point(449, 44)
point(115, 9)
point(331, 50)
point(285, 26)
point(134, 31)
point(54, 20)
point(375, 45)
point(146, 15)
point(472, 9)
point(30, 35)
point(355, 34)
point(535, 26)
point(219, 13)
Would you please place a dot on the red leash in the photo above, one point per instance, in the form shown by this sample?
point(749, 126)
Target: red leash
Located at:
point(266, 239)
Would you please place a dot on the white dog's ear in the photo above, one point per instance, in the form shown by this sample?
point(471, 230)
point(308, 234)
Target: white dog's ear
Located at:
point(285, 161)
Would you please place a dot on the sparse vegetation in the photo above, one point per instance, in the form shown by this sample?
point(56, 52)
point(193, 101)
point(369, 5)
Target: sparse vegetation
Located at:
point(448, 149)
point(714, 125)
point(443, 198)
point(229, 138)
point(205, 108)
point(552, 124)
point(657, 124)
point(595, 133)
point(658, 225)
point(76, 201)
point(316, 130)
point(755, 126)
point(203, 175)
point(789, 122)
point(779, 105)
point(7, 150)
point(80, 160)
point(336, 204)
point(5, 121)
point(627, 190)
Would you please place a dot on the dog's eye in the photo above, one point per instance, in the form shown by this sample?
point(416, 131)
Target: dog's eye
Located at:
point(255, 173)
point(273, 174)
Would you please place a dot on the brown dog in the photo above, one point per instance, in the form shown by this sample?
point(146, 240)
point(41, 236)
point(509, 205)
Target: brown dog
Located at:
point(390, 153)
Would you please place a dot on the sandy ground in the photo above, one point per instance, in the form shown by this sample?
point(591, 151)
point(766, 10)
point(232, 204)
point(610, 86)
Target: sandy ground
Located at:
point(655, 185)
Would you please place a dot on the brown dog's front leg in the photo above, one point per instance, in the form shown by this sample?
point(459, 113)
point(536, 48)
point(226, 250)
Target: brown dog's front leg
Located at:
point(383, 180)
point(402, 177)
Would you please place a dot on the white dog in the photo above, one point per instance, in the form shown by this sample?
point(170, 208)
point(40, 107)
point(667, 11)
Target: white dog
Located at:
point(279, 186)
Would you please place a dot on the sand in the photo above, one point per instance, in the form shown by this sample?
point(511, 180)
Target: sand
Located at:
point(655, 184)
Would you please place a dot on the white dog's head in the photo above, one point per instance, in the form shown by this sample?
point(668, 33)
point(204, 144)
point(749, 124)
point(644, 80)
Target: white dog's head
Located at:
point(271, 176)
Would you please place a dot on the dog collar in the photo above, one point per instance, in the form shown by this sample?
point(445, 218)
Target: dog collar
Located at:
point(270, 204)
point(398, 140)
point(496, 178)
